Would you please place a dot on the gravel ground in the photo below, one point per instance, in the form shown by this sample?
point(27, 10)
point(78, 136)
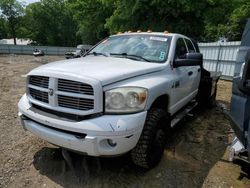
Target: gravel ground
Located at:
point(195, 157)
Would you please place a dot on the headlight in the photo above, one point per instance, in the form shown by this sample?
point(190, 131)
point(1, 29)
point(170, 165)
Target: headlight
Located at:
point(125, 100)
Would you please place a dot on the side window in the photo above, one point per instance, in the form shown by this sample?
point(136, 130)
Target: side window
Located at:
point(190, 46)
point(181, 49)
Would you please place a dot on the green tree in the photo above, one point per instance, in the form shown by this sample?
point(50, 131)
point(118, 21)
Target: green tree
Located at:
point(235, 26)
point(204, 20)
point(91, 17)
point(172, 15)
point(50, 22)
point(3, 28)
point(70, 22)
point(216, 17)
point(12, 10)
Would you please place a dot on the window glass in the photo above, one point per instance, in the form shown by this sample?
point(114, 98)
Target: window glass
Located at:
point(153, 48)
point(181, 49)
point(190, 46)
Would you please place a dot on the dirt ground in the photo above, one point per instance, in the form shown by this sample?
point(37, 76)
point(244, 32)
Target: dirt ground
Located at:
point(195, 157)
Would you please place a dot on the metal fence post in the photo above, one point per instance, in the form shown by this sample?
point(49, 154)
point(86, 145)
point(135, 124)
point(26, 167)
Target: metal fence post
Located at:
point(218, 58)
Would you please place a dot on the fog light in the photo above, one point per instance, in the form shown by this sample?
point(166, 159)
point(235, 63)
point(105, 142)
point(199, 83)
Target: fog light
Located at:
point(112, 143)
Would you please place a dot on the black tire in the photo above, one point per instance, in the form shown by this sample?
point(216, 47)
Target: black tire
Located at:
point(150, 147)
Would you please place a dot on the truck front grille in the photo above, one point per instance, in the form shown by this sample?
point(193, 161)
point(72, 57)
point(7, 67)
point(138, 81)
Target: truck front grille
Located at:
point(61, 94)
point(75, 103)
point(39, 81)
point(39, 95)
point(75, 87)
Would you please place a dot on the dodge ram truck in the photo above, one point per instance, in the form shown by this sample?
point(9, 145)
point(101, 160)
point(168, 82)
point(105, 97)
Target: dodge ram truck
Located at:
point(124, 95)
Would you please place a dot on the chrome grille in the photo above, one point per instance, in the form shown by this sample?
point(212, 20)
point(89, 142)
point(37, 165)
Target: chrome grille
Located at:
point(39, 95)
point(62, 95)
point(75, 87)
point(39, 81)
point(75, 103)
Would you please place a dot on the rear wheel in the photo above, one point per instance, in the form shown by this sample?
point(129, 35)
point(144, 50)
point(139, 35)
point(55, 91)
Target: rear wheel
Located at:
point(150, 147)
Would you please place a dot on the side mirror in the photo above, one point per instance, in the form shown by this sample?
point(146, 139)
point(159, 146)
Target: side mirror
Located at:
point(189, 59)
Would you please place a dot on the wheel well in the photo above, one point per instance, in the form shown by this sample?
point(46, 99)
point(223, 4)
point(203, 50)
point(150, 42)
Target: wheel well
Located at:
point(161, 102)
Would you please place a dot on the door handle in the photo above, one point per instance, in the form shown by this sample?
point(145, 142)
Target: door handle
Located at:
point(190, 73)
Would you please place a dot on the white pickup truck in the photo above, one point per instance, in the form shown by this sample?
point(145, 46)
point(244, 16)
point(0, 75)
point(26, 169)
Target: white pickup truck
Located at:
point(124, 95)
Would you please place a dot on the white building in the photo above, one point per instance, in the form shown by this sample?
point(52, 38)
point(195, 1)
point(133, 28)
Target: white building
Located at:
point(18, 41)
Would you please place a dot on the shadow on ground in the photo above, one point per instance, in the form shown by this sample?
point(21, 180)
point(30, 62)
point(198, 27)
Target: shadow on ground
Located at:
point(197, 143)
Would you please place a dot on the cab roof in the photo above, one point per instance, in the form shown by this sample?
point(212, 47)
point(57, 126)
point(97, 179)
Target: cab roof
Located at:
point(149, 33)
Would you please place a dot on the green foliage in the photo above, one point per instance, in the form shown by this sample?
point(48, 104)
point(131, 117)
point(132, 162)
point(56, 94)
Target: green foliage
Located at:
point(91, 17)
point(216, 18)
point(203, 20)
point(174, 16)
point(70, 22)
point(3, 28)
point(12, 11)
point(50, 22)
point(237, 21)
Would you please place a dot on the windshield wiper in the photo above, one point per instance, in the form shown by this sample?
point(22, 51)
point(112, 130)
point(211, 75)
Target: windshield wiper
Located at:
point(130, 56)
point(96, 54)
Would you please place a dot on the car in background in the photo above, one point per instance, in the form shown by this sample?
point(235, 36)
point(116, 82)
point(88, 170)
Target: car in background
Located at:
point(37, 52)
point(80, 51)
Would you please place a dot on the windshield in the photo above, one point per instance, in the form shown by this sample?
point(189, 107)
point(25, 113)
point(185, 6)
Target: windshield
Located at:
point(151, 48)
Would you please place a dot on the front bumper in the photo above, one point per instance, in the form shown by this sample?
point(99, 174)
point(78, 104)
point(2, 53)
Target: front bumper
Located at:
point(123, 130)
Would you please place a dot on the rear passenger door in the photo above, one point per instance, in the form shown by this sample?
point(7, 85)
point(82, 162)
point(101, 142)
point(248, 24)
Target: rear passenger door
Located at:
point(193, 71)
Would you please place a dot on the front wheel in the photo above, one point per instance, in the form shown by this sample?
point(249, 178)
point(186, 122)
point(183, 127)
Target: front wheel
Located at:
point(150, 147)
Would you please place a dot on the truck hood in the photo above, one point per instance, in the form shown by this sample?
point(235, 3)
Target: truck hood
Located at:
point(105, 69)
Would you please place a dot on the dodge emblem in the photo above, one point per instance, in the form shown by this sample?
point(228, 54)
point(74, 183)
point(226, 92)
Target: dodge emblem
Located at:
point(51, 92)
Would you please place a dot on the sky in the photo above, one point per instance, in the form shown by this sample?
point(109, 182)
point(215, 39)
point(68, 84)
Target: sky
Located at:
point(28, 1)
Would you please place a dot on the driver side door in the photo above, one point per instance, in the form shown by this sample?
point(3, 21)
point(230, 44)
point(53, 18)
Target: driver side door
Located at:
point(181, 87)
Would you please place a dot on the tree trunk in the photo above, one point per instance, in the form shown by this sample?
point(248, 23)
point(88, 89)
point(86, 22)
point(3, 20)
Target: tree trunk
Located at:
point(14, 40)
point(14, 34)
point(13, 30)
